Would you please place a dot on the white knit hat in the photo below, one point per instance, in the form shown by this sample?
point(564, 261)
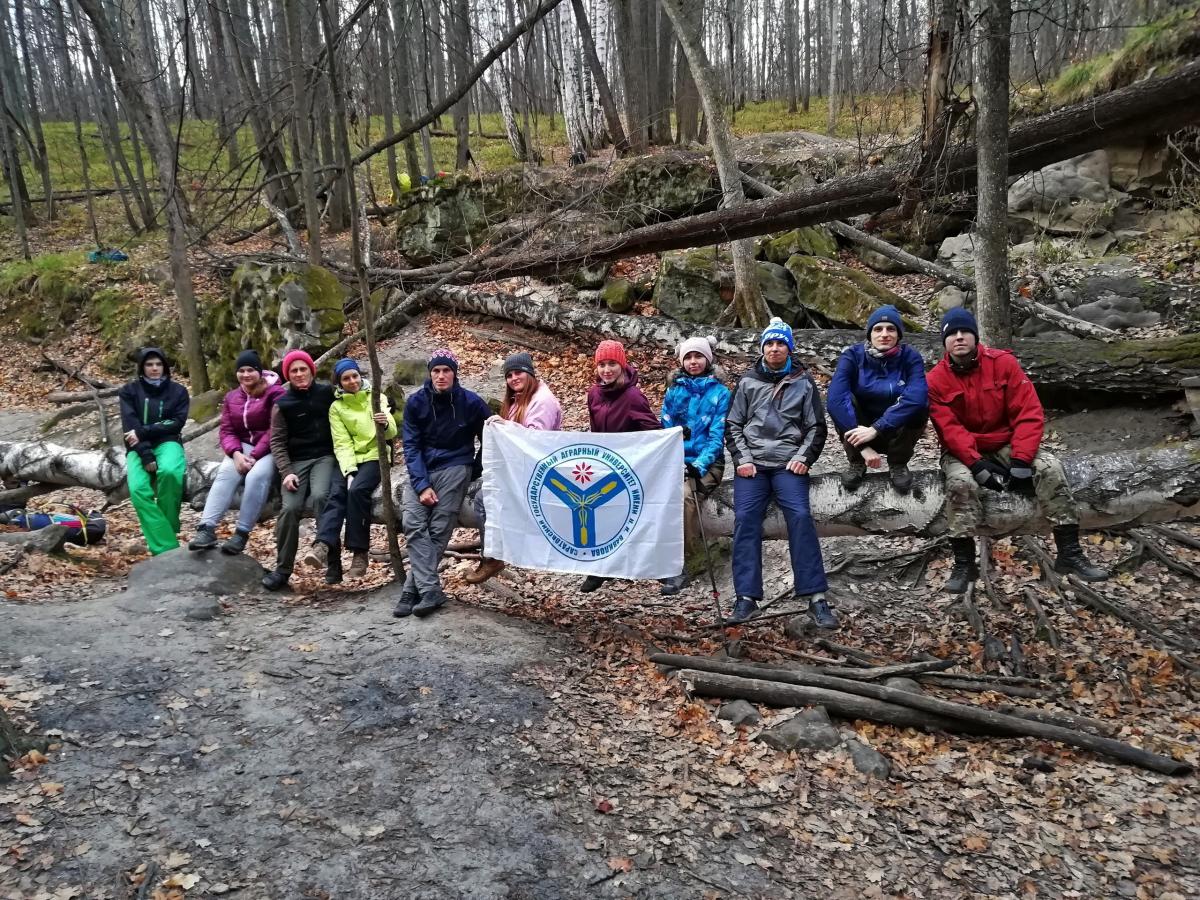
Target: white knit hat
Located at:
point(702, 345)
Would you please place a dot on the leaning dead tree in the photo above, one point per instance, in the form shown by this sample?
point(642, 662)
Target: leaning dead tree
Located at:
point(1157, 485)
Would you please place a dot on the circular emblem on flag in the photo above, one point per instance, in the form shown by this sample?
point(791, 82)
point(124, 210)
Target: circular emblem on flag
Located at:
point(586, 500)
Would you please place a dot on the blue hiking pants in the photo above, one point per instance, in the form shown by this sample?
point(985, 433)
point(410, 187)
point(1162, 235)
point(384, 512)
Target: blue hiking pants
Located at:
point(751, 497)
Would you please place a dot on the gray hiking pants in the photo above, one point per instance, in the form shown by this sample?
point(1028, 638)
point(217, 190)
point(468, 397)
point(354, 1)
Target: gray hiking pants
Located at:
point(315, 477)
point(427, 529)
point(254, 494)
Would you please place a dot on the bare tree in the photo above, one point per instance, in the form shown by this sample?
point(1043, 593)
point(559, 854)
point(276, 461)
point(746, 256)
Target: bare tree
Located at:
point(748, 302)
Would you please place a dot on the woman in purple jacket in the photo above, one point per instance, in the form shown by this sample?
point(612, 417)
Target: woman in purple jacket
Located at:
point(246, 439)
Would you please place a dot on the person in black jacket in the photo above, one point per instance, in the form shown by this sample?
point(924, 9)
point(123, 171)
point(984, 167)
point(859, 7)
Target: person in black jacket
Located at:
point(153, 410)
point(302, 447)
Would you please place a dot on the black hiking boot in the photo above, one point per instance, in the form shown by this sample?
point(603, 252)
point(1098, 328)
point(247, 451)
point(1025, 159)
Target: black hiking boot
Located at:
point(966, 566)
point(592, 583)
point(236, 543)
point(1071, 558)
point(276, 580)
point(902, 479)
point(820, 613)
point(744, 609)
point(333, 572)
point(429, 604)
point(853, 476)
point(404, 606)
point(672, 586)
point(205, 539)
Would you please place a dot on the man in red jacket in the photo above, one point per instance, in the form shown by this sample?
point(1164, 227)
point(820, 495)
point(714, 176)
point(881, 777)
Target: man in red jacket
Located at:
point(990, 422)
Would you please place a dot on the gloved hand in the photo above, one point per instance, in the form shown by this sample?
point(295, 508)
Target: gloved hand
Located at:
point(991, 475)
point(1021, 473)
point(687, 433)
point(690, 471)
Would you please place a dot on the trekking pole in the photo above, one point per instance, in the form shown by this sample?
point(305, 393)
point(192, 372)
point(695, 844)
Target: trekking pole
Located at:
point(712, 577)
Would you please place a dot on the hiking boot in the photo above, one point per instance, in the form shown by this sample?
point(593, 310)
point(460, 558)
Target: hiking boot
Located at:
point(205, 539)
point(854, 476)
point(333, 571)
point(358, 564)
point(276, 580)
point(744, 609)
point(672, 586)
point(592, 583)
point(901, 477)
point(236, 543)
point(1070, 555)
point(429, 604)
point(404, 606)
point(966, 567)
point(486, 569)
point(317, 557)
point(820, 613)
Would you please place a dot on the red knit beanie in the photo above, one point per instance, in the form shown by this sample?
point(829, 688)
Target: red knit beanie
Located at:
point(298, 356)
point(613, 350)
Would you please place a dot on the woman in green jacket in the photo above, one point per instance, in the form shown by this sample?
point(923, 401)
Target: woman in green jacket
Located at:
point(354, 444)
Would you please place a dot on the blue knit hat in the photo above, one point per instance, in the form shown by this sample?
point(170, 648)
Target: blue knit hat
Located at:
point(888, 314)
point(777, 330)
point(343, 366)
point(959, 319)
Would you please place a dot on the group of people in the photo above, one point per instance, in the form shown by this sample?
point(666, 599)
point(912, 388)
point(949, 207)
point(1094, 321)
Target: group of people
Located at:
point(323, 441)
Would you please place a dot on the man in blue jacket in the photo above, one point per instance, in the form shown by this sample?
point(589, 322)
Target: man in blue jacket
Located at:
point(879, 402)
point(442, 423)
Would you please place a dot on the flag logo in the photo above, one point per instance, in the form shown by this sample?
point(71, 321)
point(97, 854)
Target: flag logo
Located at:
point(586, 500)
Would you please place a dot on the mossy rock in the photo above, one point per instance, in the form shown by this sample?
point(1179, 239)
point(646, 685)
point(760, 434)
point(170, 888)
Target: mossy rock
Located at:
point(410, 371)
point(619, 295)
point(661, 186)
point(589, 277)
point(697, 285)
point(274, 308)
point(813, 240)
point(829, 294)
point(205, 406)
point(448, 216)
point(52, 290)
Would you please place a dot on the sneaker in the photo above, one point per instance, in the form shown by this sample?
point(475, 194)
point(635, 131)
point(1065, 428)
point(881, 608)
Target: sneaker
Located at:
point(317, 557)
point(744, 609)
point(592, 583)
point(486, 569)
point(820, 613)
point(205, 539)
point(236, 543)
point(276, 580)
point(854, 476)
point(404, 606)
point(429, 604)
point(901, 477)
point(358, 564)
point(672, 586)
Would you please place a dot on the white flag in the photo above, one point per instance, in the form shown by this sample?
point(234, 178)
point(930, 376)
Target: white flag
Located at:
point(594, 504)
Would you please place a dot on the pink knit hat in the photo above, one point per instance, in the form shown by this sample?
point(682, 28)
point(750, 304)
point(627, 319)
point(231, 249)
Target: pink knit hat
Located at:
point(298, 356)
point(613, 350)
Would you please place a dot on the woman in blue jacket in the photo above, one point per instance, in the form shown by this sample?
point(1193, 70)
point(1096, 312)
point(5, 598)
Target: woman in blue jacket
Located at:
point(879, 402)
point(697, 402)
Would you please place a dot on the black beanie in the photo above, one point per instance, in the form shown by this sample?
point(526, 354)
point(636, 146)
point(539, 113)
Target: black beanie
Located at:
point(248, 358)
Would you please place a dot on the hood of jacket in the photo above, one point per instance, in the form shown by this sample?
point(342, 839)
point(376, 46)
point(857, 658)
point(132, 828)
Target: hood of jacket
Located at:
point(144, 354)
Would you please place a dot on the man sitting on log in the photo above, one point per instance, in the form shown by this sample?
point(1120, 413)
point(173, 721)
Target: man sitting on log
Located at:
point(990, 422)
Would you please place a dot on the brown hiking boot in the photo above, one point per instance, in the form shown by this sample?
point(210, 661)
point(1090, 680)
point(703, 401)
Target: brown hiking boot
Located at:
point(318, 556)
point(486, 569)
point(358, 565)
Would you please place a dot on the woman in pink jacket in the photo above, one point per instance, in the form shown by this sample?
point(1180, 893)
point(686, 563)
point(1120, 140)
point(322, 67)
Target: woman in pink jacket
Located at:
point(529, 402)
point(245, 438)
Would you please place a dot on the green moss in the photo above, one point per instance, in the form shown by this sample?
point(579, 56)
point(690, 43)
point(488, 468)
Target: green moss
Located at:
point(50, 290)
point(838, 294)
point(618, 295)
point(810, 241)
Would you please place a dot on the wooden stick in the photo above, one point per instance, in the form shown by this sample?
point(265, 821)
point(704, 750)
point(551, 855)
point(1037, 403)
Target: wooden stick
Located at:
point(855, 656)
point(1096, 601)
point(1175, 565)
point(900, 670)
point(1045, 631)
point(974, 715)
point(80, 396)
point(969, 684)
point(1178, 536)
point(1066, 720)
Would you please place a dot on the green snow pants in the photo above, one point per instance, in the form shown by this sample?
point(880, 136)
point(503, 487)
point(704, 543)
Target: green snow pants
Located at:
point(156, 498)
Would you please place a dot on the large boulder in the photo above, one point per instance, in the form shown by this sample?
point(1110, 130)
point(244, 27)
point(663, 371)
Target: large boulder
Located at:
point(958, 251)
point(449, 215)
point(1073, 197)
point(813, 240)
point(274, 308)
point(181, 571)
point(646, 189)
point(697, 285)
point(830, 295)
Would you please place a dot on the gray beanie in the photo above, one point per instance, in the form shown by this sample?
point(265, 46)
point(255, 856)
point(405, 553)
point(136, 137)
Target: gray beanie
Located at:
point(519, 362)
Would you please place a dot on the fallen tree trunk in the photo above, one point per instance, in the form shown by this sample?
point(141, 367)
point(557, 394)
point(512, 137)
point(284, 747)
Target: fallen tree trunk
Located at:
point(1131, 368)
point(1156, 485)
point(45, 540)
point(980, 717)
point(1147, 107)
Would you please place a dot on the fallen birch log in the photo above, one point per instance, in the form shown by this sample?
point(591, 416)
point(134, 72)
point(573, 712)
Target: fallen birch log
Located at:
point(1155, 485)
point(979, 717)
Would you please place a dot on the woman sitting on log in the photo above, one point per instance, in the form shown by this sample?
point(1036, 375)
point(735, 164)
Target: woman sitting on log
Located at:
point(245, 436)
point(697, 402)
point(153, 410)
point(356, 448)
point(879, 402)
point(529, 402)
point(616, 404)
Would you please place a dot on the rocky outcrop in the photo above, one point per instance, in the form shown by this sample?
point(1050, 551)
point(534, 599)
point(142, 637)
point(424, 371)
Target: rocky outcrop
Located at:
point(830, 295)
point(1073, 197)
point(815, 240)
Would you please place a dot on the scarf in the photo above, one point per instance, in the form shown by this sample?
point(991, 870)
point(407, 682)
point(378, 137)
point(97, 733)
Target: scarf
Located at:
point(881, 354)
point(153, 382)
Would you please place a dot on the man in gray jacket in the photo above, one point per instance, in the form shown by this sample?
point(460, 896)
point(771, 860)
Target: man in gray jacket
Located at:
point(775, 431)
